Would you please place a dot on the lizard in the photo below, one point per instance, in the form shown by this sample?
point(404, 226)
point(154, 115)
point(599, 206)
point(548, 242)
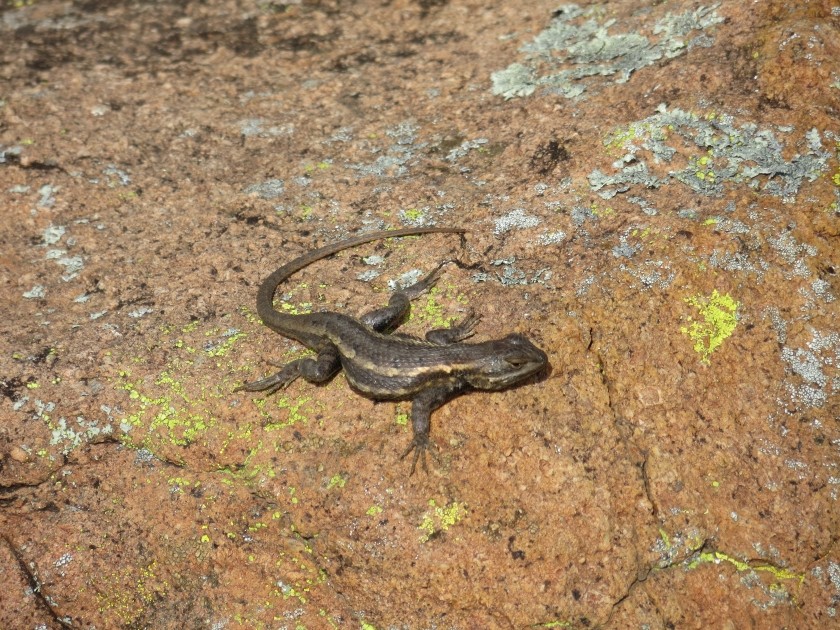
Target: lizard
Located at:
point(382, 366)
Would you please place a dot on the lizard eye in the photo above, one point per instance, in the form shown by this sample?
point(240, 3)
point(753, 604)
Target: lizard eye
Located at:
point(516, 360)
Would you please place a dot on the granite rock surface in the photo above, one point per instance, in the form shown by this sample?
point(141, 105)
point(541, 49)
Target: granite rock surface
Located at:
point(653, 197)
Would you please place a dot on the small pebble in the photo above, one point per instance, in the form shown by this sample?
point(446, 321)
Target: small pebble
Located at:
point(19, 455)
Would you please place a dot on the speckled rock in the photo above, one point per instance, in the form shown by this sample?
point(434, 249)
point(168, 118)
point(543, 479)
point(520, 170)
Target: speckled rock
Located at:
point(653, 197)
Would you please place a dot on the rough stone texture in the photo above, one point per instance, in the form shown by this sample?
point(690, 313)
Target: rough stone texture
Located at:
point(653, 196)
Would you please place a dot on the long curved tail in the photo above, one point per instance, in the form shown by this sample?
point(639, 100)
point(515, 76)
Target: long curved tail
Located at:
point(265, 294)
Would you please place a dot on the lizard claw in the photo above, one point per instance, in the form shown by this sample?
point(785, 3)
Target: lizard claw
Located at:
point(420, 444)
point(269, 385)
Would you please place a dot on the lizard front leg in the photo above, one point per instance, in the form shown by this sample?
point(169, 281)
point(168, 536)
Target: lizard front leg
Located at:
point(422, 407)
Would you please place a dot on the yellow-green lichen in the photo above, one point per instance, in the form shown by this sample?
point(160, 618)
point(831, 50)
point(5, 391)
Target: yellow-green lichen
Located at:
point(180, 404)
point(173, 414)
point(439, 519)
point(600, 212)
point(191, 327)
point(413, 214)
point(675, 547)
point(622, 139)
point(323, 165)
point(177, 484)
point(778, 573)
point(223, 347)
point(301, 308)
point(704, 168)
point(125, 594)
point(293, 406)
point(430, 311)
point(337, 481)
point(307, 576)
point(719, 318)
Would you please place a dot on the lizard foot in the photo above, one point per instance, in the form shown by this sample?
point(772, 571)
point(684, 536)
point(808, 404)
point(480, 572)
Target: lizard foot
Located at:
point(269, 385)
point(420, 444)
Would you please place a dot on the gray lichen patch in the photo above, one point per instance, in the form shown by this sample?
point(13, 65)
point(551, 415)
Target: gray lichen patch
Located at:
point(716, 152)
point(515, 219)
point(464, 148)
point(394, 160)
point(35, 293)
point(793, 253)
point(578, 44)
point(73, 265)
point(737, 262)
point(633, 174)
point(269, 189)
point(651, 274)
point(815, 369)
point(552, 238)
point(52, 234)
point(259, 127)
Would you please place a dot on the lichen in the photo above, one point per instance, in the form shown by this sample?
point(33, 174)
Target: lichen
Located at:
point(579, 44)
point(719, 319)
point(439, 519)
point(816, 367)
point(515, 219)
point(337, 481)
point(720, 153)
point(394, 160)
point(268, 189)
point(126, 593)
point(716, 557)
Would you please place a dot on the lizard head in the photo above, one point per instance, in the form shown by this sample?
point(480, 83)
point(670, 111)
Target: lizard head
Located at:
point(513, 359)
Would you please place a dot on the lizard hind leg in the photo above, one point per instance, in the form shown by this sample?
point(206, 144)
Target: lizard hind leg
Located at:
point(319, 369)
point(388, 318)
point(417, 289)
